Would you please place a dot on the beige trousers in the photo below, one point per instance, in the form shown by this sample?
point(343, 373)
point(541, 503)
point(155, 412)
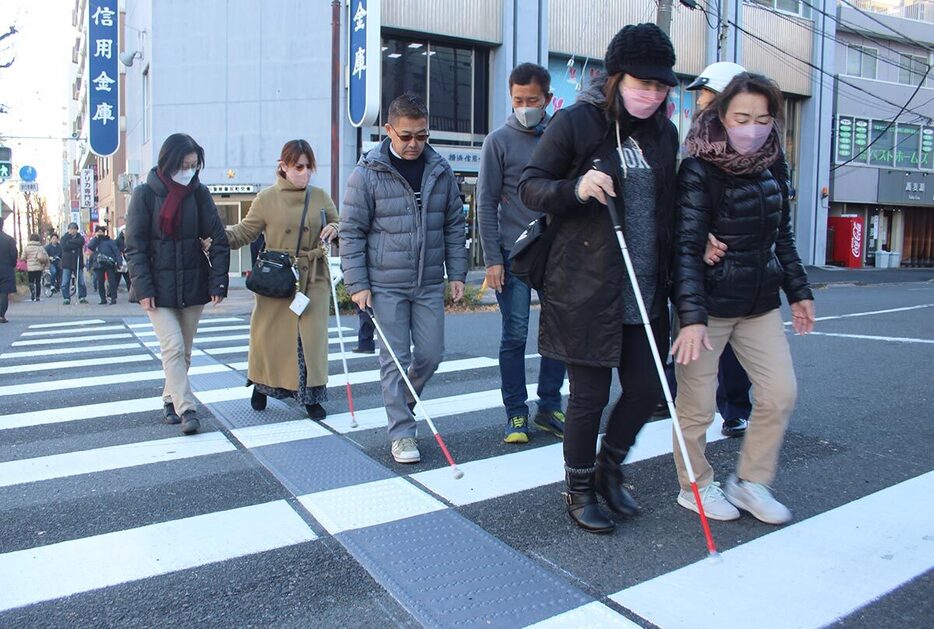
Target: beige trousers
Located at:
point(762, 349)
point(175, 328)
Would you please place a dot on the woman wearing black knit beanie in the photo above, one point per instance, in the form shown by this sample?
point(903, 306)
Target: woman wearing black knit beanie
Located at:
point(590, 318)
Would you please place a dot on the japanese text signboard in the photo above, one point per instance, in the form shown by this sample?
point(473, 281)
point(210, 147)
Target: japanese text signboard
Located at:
point(103, 77)
point(87, 188)
point(364, 58)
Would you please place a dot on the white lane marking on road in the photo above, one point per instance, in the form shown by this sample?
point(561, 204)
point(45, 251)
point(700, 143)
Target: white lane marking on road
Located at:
point(65, 324)
point(361, 377)
point(869, 337)
point(245, 349)
point(71, 351)
point(49, 572)
point(74, 339)
point(112, 458)
point(808, 574)
point(242, 337)
point(870, 313)
point(203, 322)
point(72, 364)
point(230, 328)
point(102, 328)
point(593, 615)
point(507, 474)
point(279, 432)
point(99, 381)
point(368, 504)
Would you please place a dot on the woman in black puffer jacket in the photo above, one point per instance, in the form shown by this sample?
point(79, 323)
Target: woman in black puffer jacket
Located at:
point(589, 319)
point(172, 277)
point(726, 189)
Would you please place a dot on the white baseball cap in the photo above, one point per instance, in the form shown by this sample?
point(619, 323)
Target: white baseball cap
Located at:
point(716, 76)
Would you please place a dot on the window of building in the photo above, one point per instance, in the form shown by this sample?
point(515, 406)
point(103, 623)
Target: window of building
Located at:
point(453, 81)
point(861, 61)
point(795, 7)
point(911, 69)
point(146, 95)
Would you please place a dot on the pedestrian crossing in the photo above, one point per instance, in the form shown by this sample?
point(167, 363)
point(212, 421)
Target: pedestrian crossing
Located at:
point(334, 484)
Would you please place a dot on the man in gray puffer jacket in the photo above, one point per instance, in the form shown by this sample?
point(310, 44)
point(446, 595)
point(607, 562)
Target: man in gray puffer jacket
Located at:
point(402, 225)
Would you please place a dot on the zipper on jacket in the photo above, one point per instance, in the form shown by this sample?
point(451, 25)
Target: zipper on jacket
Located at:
point(759, 251)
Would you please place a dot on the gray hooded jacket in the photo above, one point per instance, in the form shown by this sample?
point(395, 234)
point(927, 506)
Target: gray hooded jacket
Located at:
point(503, 215)
point(385, 242)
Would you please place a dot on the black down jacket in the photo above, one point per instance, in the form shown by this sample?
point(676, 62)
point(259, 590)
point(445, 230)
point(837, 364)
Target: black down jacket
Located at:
point(72, 251)
point(750, 214)
point(175, 271)
point(582, 300)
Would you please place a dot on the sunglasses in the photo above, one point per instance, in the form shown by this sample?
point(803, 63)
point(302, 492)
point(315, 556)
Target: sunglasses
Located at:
point(408, 137)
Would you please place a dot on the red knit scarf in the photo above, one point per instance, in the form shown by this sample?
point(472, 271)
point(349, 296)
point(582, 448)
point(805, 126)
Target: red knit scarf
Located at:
point(170, 214)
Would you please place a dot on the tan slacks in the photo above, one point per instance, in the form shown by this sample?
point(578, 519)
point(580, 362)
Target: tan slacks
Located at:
point(175, 328)
point(762, 349)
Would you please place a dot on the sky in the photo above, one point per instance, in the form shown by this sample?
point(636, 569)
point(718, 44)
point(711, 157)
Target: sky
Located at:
point(36, 91)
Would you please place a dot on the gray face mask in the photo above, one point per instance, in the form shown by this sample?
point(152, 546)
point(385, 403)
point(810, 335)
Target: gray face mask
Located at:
point(530, 117)
point(184, 177)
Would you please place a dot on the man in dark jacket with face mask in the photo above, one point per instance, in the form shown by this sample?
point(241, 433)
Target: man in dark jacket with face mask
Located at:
point(503, 216)
point(73, 264)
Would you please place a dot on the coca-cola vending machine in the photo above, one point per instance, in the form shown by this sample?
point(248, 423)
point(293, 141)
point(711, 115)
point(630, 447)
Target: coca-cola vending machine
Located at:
point(848, 235)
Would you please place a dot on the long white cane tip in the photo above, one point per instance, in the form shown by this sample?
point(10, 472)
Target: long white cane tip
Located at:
point(714, 558)
point(458, 474)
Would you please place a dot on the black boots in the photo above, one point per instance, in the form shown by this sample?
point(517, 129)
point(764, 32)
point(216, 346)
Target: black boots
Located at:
point(316, 412)
point(582, 502)
point(608, 480)
point(258, 400)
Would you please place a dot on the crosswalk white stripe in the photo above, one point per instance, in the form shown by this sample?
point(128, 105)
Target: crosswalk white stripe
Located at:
point(102, 328)
point(49, 572)
point(242, 337)
point(58, 351)
point(98, 381)
point(71, 364)
point(112, 458)
point(230, 328)
point(593, 615)
point(65, 324)
point(507, 474)
point(148, 324)
point(74, 339)
point(868, 337)
point(279, 432)
point(808, 574)
point(361, 377)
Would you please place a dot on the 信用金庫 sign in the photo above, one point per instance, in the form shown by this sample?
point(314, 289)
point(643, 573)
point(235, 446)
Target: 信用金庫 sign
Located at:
point(103, 77)
point(364, 59)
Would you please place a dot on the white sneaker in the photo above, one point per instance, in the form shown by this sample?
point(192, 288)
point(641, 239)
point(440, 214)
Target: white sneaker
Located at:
point(757, 500)
point(405, 451)
point(715, 503)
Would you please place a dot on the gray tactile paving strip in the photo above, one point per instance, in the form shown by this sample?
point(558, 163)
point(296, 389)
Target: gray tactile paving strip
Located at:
point(220, 380)
point(312, 465)
point(239, 413)
point(448, 572)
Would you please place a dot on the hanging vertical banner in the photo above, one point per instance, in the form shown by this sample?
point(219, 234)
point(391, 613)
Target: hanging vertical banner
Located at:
point(87, 188)
point(103, 77)
point(364, 57)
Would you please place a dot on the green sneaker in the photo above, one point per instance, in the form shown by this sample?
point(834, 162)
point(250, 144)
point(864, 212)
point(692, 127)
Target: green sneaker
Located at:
point(517, 430)
point(550, 421)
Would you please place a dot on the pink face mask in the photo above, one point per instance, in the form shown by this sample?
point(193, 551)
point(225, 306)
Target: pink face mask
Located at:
point(748, 138)
point(642, 103)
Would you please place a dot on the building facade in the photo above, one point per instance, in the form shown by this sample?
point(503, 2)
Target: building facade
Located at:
point(245, 76)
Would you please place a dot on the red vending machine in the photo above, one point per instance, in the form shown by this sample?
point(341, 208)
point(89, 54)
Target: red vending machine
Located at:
point(847, 240)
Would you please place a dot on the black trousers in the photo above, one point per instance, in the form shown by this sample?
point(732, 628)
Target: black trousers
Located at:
point(113, 278)
point(590, 393)
point(35, 283)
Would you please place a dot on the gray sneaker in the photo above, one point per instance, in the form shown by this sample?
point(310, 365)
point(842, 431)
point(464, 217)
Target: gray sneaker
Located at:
point(757, 500)
point(405, 450)
point(715, 503)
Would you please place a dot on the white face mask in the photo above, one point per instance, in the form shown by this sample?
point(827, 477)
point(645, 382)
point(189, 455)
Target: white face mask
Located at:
point(184, 177)
point(529, 117)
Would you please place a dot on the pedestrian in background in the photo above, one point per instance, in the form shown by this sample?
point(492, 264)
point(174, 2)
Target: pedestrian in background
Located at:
point(726, 188)
point(590, 319)
point(122, 270)
point(37, 260)
point(54, 250)
point(106, 257)
point(73, 265)
point(402, 227)
point(7, 270)
point(503, 216)
point(288, 353)
point(173, 278)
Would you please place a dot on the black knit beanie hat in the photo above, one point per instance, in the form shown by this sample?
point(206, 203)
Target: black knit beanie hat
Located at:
point(644, 51)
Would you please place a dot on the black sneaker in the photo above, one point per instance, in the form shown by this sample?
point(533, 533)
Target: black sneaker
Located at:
point(364, 350)
point(190, 423)
point(734, 427)
point(316, 412)
point(169, 415)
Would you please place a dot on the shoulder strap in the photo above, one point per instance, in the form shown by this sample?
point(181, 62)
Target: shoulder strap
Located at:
point(301, 223)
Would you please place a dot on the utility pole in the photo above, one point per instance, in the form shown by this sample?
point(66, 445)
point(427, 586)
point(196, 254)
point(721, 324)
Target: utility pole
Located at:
point(663, 16)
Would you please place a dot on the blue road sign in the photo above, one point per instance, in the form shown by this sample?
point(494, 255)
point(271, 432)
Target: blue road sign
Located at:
point(364, 58)
point(103, 77)
point(27, 173)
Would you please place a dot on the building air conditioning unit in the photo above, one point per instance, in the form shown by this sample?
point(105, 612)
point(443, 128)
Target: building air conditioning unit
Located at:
point(127, 181)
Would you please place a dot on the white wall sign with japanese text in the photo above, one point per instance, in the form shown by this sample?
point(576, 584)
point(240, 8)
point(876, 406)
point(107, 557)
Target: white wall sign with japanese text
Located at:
point(103, 77)
point(87, 188)
point(364, 57)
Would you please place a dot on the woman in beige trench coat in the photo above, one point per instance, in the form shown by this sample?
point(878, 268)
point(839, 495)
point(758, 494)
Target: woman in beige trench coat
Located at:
point(289, 353)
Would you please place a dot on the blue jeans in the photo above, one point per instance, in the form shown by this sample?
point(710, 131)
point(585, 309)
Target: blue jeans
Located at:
point(514, 303)
point(66, 282)
point(55, 275)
